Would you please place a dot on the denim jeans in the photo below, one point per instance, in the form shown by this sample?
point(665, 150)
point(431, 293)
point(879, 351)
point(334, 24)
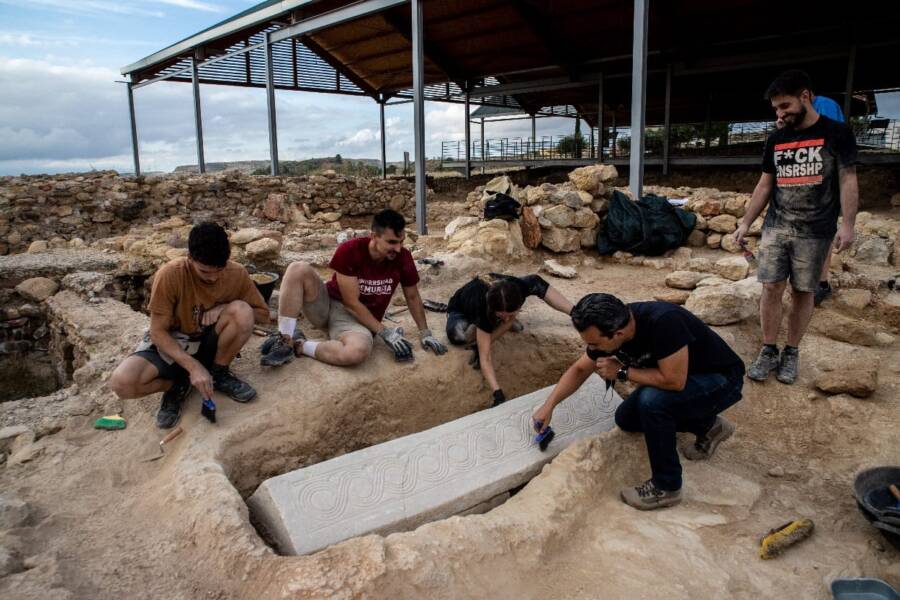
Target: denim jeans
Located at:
point(659, 414)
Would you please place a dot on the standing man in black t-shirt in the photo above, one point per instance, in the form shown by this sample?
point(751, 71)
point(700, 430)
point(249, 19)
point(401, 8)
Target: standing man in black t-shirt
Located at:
point(686, 376)
point(809, 172)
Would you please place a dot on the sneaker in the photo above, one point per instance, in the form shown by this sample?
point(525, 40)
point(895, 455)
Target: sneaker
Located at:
point(788, 366)
point(226, 382)
point(765, 363)
point(705, 446)
point(277, 350)
point(823, 292)
point(648, 497)
point(172, 401)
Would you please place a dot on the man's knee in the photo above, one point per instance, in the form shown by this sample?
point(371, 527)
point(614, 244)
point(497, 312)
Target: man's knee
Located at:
point(355, 355)
point(297, 271)
point(625, 419)
point(124, 380)
point(650, 400)
point(241, 314)
point(775, 289)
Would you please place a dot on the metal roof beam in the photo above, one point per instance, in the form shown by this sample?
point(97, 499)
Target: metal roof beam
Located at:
point(217, 31)
point(338, 67)
point(435, 56)
point(538, 23)
point(364, 8)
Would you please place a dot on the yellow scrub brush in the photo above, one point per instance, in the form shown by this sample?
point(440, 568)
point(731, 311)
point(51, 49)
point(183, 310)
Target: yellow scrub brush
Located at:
point(781, 538)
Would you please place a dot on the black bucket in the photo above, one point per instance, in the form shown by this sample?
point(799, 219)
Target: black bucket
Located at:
point(876, 502)
point(265, 283)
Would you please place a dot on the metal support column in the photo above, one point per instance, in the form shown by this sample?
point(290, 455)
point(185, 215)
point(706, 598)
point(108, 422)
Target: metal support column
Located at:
point(418, 68)
point(134, 137)
point(468, 135)
point(383, 141)
point(483, 158)
point(600, 120)
point(615, 134)
point(198, 119)
point(638, 97)
point(270, 106)
point(667, 135)
point(848, 96)
point(533, 137)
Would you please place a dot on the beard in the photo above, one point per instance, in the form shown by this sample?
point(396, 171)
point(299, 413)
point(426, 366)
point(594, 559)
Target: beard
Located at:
point(791, 120)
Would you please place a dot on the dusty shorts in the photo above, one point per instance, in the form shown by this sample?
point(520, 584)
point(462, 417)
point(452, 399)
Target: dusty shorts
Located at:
point(203, 349)
point(782, 256)
point(330, 315)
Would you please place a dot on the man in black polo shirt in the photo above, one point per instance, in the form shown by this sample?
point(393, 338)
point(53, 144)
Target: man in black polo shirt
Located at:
point(808, 179)
point(686, 376)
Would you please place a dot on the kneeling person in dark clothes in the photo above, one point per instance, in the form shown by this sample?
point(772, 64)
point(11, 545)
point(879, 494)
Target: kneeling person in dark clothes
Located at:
point(202, 311)
point(481, 312)
point(686, 376)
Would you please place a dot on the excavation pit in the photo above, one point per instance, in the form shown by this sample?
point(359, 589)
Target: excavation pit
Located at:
point(34, 360)
point(396, 405)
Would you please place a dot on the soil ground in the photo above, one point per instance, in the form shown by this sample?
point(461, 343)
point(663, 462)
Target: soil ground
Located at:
point(105, 525)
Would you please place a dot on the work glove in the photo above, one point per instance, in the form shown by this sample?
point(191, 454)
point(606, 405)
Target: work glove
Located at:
point(429, 342)
point(499, 398)
point(402, 347)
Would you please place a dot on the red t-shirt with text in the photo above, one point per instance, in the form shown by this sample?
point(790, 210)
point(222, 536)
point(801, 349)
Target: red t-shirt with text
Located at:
point(377, 280)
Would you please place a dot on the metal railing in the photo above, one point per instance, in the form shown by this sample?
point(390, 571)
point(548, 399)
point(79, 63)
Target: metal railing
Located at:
point(686, 140)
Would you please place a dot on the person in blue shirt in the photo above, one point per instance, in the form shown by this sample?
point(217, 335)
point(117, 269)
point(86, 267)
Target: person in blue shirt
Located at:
point(831, 109)
point(828, 107)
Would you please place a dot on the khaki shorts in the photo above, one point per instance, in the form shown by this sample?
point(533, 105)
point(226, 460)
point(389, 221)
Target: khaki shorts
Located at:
point(785, 256)
point(330, 315)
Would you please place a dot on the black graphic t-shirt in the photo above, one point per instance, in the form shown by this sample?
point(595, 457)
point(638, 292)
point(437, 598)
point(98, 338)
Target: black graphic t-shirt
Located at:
point(807, 199)
point(471, 299)
point(662, 329)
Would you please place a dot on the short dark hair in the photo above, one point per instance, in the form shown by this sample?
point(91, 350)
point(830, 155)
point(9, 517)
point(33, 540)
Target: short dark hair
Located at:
point(504, 296)
point(208, 245)
point(789, 83)
point(604, 311)
point(388, 219)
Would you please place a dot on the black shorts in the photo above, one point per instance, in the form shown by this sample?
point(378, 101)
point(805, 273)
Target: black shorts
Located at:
point(206, 354)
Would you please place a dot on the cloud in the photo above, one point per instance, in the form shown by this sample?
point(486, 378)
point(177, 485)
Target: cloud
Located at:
point(361, 138)
point(26, 39)
point(192, 4)
point(85, 7)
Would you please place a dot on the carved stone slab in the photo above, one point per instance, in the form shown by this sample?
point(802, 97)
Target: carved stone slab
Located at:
point(426, 476)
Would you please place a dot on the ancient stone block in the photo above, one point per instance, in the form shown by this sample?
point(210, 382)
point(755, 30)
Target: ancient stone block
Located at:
point(430, 475)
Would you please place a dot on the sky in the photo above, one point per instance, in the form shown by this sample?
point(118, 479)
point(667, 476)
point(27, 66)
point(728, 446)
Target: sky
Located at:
point(63, 108)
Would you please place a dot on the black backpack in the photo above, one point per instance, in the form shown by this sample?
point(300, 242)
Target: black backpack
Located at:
point(502, 206)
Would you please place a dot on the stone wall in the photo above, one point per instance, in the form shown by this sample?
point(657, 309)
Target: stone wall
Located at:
point(68, 210)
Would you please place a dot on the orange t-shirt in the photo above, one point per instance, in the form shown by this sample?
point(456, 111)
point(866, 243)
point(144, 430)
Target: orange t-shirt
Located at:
point(178, 293)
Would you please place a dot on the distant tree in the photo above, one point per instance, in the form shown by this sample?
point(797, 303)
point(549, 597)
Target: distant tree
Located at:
point(337, 159)
point(571, 145)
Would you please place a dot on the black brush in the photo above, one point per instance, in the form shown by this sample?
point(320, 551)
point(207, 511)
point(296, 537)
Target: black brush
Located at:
point(208, 410)
point(543, 438)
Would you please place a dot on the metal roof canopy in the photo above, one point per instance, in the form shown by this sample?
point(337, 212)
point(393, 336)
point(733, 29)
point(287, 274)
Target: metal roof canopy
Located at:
point(705, 59)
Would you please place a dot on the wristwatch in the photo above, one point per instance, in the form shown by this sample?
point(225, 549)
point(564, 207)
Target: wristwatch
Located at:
point(622, 374)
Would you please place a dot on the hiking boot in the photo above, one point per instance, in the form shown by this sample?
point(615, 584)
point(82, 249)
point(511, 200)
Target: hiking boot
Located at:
point(227, 382)
point(765, 363)
point(277, 350)
point(172, 401)
point(823, 292)
point(705, 446)
point(648, 497)
point(788, 366)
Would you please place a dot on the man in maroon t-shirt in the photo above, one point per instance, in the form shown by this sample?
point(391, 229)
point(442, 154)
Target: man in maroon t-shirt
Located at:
point(350, 307)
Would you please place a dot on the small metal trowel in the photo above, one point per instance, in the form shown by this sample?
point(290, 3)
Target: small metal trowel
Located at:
point(162, 443)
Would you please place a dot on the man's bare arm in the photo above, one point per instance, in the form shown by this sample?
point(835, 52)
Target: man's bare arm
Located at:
point(416, 307)
point(849, 207)
point(761, 195)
